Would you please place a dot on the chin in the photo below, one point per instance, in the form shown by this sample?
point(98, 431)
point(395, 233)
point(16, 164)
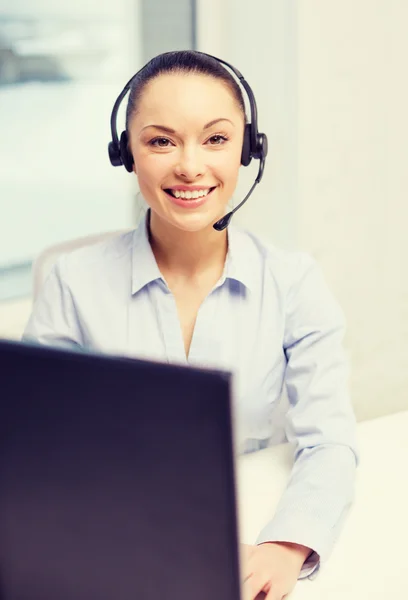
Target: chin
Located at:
point(194, 222)
point(188, 219)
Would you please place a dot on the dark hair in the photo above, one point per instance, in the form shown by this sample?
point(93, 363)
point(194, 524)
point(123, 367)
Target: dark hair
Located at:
point(181, 61)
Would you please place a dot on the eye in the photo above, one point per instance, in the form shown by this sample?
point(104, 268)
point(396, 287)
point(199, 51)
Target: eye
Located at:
point(217, 140)
point(160, 142)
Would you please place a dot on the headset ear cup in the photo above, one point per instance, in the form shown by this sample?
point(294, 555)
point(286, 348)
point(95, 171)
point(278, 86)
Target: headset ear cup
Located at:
point(262, 146)
point(114, 154)
point(246, 154)
point(125, 153)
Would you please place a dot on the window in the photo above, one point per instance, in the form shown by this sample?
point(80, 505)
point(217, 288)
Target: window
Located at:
point(167, 26)
point(61, 70)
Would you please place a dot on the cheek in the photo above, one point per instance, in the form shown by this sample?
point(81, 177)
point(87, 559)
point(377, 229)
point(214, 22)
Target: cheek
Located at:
point(153, 167)
point(229, 161)
point(228, 171)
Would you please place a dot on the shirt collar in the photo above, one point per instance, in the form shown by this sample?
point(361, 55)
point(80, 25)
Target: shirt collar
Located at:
point(240, 260)
point(144, 265)
point(238, 265)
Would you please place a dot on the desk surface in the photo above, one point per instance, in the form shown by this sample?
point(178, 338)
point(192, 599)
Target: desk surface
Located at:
point(370, 559)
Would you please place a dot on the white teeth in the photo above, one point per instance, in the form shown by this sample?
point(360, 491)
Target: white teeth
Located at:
point(188, 195)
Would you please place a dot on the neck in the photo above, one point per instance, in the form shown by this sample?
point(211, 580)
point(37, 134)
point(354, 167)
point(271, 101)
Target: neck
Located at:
point(187, 254)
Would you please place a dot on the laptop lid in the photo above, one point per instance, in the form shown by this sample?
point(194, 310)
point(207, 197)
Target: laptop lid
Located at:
point(116, 479)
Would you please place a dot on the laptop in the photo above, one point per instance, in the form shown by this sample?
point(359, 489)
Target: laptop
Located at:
point(116, 479)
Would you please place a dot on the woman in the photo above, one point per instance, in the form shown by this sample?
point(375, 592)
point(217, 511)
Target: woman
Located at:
point(179, 290)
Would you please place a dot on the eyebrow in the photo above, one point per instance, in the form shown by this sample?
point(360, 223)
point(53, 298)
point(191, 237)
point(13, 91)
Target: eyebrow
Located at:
point(207, 126)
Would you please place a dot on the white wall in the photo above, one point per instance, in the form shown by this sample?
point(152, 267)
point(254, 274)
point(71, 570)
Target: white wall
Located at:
point(330, 81)
point(352, 180)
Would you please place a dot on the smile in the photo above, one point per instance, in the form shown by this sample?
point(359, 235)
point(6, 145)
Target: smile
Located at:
point(189, 194)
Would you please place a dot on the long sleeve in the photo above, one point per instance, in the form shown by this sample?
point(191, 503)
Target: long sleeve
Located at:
point(320, 421)
point(53, 320)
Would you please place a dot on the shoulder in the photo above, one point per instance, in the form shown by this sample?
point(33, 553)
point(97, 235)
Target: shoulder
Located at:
point(112, 249)
point(294, 281)
point(78, 292)
point(303, 288)
point(285, 267)
point(94, 260)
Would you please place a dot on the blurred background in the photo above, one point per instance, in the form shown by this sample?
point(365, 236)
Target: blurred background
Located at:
point(331, 86)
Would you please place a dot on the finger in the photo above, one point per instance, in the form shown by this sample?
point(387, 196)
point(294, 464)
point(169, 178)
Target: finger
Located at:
point(275, 594)
point(246, 591)
point(253, 586)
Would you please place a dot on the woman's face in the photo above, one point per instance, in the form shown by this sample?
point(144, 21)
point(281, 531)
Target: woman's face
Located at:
point(186, 140)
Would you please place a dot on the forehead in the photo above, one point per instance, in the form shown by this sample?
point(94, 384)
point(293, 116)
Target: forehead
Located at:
point(173, 96)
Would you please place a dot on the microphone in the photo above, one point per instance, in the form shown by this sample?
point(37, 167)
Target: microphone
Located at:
point(225, 221)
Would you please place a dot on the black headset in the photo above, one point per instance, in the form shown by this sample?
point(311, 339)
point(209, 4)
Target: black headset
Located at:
point(255, 144)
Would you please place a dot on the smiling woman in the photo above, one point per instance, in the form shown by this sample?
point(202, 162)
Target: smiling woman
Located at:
point(189, 148)
point(200, 152)
point(181, 290)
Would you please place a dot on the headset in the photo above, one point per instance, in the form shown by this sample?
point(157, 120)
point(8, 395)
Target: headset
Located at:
point(255, 144)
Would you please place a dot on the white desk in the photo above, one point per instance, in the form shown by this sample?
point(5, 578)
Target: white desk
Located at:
point(370, 559)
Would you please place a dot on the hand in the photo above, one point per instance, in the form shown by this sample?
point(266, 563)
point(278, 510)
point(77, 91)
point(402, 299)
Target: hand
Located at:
point(272, 568)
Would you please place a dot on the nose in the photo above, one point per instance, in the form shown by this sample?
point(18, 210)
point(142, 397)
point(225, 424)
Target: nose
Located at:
point(190, 165)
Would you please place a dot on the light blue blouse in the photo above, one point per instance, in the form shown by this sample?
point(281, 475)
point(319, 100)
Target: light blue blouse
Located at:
point(270, 320)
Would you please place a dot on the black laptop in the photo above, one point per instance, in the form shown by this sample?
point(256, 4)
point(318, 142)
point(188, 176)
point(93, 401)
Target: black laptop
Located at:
point(116, 479)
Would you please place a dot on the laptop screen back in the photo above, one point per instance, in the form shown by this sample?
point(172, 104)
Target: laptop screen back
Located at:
point(116, 479)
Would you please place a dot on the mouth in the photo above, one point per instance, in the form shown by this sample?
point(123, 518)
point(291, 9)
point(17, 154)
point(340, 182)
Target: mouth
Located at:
point(189, 195)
